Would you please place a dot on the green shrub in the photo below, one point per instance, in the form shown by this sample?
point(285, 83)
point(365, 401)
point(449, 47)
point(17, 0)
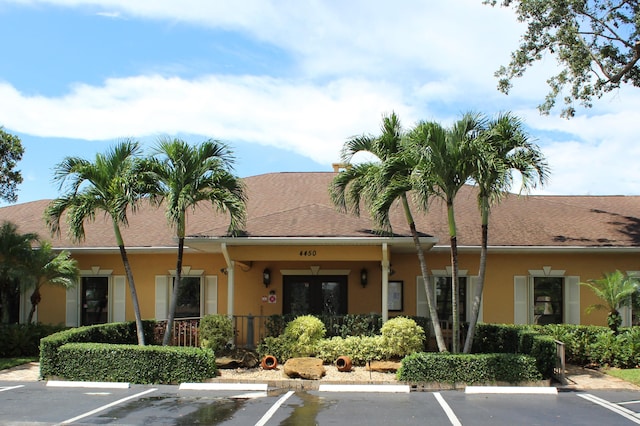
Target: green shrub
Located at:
point(23, 339)
point(303, 334)
point(113, 333)
point(402, 336)
point(425, 367)
point(279, 347)
point(136, 364)
point(361, 349)
point(215, 331)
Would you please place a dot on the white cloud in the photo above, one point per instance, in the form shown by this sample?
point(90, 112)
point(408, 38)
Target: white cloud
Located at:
point(354, 61)
point(308, 119)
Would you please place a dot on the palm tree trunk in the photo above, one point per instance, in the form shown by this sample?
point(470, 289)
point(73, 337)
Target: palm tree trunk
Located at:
point(477, 296)
point(433, 311)
point(132, 286)
point(176, 291)
point(455, 315)
point(35, 299)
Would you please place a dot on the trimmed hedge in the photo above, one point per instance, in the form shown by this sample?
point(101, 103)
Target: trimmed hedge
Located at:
point(517, 339)
point(426, 367)
point(112, 333)
point(137, 364)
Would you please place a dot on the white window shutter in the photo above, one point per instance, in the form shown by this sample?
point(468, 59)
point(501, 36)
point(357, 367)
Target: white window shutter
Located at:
point(162, 297)
point(211, 295)
point(471, 292)
point(422, 307)
point(72, 305)
point(626, 314)
point(520, 299)
point(119, 298)
point(572, 300)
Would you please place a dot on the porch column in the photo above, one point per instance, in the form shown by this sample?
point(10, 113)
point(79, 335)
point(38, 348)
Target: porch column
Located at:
point(230, 287)
point(385, 283)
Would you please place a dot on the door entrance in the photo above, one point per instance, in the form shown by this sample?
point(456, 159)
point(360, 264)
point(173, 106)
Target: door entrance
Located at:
point(315, 295)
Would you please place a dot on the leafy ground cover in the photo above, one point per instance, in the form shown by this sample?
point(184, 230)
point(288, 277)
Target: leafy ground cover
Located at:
point(13, 362)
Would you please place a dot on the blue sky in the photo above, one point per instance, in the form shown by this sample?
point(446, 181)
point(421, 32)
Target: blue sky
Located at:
point(285, 83)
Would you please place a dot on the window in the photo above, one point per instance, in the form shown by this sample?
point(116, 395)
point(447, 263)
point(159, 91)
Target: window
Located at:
point(546, 297)
point(94, 300)
point(443, 297)
point(548, 300)
point(189, 297)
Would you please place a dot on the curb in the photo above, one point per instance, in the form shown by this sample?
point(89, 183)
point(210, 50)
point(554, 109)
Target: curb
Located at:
point(365, 388)
point(225, 386)
point(100, 385)
point(512, 390)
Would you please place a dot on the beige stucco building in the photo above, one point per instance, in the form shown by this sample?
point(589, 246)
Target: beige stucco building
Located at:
point(318, 260)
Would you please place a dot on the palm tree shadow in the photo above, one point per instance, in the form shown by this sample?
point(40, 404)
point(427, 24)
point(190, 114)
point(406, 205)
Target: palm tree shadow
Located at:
point(628, 226)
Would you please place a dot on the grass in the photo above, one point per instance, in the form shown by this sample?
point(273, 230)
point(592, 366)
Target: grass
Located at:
point(12, 362)
point(631, 375)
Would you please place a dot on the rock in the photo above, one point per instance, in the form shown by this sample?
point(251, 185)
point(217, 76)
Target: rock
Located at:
point(305, 368)
point(384, 366)
point(237, 358)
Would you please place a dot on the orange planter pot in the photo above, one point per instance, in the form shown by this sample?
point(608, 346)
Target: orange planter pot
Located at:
point(343, 363)
point(269, 362)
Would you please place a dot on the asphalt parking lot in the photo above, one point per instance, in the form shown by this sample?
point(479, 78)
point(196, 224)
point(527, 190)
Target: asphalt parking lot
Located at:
point(39, 403)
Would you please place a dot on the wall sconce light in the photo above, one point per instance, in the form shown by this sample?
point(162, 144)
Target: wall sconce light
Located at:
point(363, 277)
point(266, 277)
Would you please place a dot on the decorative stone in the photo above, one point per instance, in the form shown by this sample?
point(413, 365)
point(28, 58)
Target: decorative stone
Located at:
point(383, 366)
point(305, 368)
point(237, 358)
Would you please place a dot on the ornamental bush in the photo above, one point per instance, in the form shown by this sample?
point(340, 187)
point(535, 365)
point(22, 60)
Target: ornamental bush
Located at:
point(402, 336)
point(215, 331)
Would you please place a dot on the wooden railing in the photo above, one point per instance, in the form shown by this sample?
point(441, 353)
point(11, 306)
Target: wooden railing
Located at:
point(560, 368)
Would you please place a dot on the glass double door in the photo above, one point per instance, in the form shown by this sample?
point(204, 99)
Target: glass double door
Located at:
point(315, 295)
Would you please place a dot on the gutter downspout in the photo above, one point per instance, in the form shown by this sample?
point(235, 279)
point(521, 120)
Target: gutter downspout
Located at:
point(230, 280)
point(385, 283)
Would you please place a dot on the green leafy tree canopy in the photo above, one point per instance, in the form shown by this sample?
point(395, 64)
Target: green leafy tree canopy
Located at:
point(10, 153)
point(596, 43)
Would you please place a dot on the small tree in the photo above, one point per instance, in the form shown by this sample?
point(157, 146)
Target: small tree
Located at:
point(48, 267)
point(615, 289)
point(10, 153)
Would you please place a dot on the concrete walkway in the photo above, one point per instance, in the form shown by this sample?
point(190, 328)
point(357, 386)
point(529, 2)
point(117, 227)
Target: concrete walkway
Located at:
point(577, 378)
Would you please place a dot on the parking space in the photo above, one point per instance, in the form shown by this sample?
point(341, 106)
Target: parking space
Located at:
point(37, 403)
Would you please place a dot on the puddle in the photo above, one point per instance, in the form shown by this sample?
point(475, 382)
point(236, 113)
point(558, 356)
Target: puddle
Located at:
point(172, 411)
point(306, 412)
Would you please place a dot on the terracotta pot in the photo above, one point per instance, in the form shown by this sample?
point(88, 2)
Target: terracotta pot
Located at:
point(343, 363)
point(269, 362)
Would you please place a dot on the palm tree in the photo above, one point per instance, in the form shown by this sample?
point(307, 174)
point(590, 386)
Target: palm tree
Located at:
point(446, 166)
point(47, 267)
point(615, 289)
point(15, 251)
point(379, 184)
point(186, 176)
point(504, 148)
point(113, 183)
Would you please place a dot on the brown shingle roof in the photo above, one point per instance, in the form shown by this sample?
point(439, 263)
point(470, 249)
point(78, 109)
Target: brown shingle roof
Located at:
point(298, 205)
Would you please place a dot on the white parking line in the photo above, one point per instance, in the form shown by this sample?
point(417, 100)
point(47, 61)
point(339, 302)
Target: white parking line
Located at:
point(624, 412)
point(6, 388)
point(273, 409)
point(447, 410)
point(104, 407)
